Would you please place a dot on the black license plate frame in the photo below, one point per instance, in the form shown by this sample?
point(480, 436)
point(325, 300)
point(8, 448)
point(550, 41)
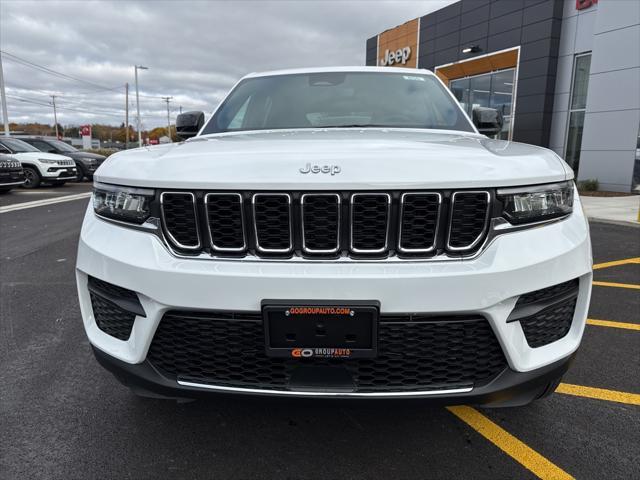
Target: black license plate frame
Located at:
point(327, 329)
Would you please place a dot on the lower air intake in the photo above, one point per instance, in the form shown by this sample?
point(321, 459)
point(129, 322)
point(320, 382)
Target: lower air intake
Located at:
point(415, 353)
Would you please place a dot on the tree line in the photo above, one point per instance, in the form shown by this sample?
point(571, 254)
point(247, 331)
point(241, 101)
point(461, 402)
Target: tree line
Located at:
point(104, 133)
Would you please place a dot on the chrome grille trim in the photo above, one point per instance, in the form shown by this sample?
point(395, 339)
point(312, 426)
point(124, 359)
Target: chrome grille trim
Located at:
point(339, 208)
point(255, 227)
point(386, 236)
point(244, 235)
point(484, 228)
point(432, 247)
point(195, 213)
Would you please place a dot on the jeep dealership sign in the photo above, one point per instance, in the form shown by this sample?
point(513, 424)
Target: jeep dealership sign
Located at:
point(399, 56)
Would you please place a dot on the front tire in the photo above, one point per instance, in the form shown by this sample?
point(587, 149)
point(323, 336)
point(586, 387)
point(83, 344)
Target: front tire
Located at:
point(31, 178)
point(80, 174)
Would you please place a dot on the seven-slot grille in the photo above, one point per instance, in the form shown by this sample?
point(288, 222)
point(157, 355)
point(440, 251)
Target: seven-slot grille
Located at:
point(326, 224)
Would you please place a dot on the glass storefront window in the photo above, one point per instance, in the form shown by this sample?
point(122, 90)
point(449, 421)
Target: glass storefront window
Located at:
point(635, 181)
point(493, 90)
point(577, 107)
point(574, 139)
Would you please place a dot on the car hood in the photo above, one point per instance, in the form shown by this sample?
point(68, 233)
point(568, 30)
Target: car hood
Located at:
point(366, 158)
point(39, 155)
point(86, 156)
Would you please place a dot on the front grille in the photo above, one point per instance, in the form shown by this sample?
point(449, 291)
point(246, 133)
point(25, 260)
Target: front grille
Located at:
point(66, 162)
point(546, 315)
point(180, 219)
point(272, 222)
point(419, 222)
point(225, 218)
point(370, 222)
point(326, 224)
point(414, 353)
point(110, 318)
point(10, 165)
point(469, 212)
point(320, 222)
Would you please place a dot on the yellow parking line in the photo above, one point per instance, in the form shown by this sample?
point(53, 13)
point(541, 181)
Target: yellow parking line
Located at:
point(509, 444)
point(615, 263)
point(599, 393)
point(609, 323)
point(617, 285)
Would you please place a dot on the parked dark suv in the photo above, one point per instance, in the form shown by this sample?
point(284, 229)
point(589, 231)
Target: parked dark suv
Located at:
point(86, 163)
point(11, 173)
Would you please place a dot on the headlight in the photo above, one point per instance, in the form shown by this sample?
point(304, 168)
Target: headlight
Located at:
point(537, 203)
point(126, 204)
point(48, 161)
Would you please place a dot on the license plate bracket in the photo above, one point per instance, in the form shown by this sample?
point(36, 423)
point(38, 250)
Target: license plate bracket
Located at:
point(320, 329)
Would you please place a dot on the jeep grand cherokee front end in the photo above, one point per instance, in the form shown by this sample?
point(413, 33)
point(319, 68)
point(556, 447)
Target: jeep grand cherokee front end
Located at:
point(339, 232)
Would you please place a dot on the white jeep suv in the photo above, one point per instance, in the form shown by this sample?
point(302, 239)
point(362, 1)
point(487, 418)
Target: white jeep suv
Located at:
point(39, 167)
point(342, 232)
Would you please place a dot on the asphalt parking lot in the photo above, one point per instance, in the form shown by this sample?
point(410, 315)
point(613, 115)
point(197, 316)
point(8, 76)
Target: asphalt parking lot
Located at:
point(63, 416)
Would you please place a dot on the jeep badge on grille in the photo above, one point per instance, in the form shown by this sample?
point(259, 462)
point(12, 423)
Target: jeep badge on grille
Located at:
point(332, 169)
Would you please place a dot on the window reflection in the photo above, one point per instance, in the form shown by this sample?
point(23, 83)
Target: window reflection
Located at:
point(494, 90)
point(635, 182)
point(579, 86)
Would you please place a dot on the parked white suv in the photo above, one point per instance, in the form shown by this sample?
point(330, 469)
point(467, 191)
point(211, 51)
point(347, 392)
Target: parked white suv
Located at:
point(342, 232)
point(39, 167)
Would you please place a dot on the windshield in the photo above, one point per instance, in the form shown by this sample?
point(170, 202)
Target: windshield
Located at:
point(17, 146)
point(338, 99)
point(62, 146)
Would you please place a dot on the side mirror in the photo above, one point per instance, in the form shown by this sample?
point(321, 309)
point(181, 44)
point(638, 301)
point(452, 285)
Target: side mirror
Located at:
point(52, 150)
point(488, 121)
point(188, 124)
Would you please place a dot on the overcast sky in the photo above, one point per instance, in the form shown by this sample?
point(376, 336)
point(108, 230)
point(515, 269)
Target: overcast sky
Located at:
point(195, 50)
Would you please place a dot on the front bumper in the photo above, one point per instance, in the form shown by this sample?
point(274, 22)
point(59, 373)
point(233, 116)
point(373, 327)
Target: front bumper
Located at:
point(509, 389)
point(59, 173)
point(488, 285)
point(11, 178)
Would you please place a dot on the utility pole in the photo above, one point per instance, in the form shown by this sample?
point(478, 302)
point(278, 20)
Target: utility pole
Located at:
point(136, 68)
point(55, 115)
point(4, 101)
point(126, 116)
point(166, 99)
point(180, 108)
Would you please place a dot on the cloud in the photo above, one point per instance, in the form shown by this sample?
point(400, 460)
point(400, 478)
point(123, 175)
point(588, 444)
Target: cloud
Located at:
point(195, 50)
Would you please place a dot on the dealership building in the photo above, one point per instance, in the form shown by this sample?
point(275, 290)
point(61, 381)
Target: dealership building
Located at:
point(564, 73)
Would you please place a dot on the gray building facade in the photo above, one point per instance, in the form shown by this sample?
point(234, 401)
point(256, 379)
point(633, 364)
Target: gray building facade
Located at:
point(565, 73)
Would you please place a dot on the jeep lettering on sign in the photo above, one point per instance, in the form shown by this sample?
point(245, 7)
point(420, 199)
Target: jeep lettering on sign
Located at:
point(399, 56)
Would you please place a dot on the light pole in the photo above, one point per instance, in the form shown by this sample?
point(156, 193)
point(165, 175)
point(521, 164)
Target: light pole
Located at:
point(166, 99)
point(3, 100)
point(55, 116)
point(136, 68)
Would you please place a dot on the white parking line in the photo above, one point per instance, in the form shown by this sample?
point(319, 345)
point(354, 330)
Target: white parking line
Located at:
point(41, 203)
